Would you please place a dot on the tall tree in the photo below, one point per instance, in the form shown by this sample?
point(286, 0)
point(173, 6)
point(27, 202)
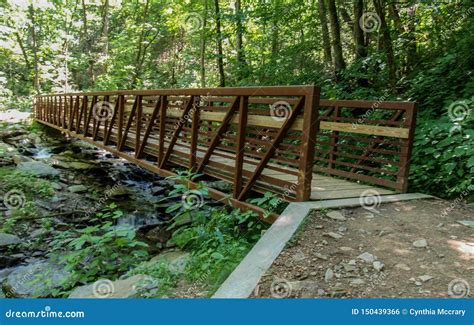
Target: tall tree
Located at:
point(386, 41)
point(324, 30)
point(203, 46)
point(220, 54)
point(241, 65)
point(338, 59)
point(359, 40)
point(34, 40)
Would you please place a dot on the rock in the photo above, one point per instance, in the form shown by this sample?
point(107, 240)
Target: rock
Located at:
point(352, 262)
point(329, 275)
point(346, 249)
point(367, 257)
point(420, 243)
point(402, 266)
point(158, 190)
point(176, 260)
point(35, 280)
point(378, 266)
point(349, 267)
point(425, 277)
point(333, 235)
point(321, 256)
point(336, 215)
point(118, 191)
point(468, 223)
point(418, 283)
point(299, 256)
point(342, 229)
point(77, 189)
point(126, 288)
point(38, 233)
point(8, 239)
point(37, 168)
point(56, 186)
point(357, 282)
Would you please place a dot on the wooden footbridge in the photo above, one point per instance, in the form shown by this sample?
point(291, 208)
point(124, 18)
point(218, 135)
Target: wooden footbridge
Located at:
point(285, 140)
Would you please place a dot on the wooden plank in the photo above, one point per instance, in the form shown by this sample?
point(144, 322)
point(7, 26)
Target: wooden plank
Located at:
point(128, 125)
point(89, 115)
point(149, 127)
point(138, 125)
point(308, 144)
point(366, 129)
point(194, 134)
point(163, 108)
point(271, 151)
point(240, 146)
point(222, 128)
point(177, 130)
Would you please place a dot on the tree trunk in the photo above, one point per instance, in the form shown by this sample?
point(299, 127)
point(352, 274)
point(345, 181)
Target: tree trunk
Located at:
point(359, 41)
point(36, 84)
point(411, 41)
point(220, 55)
point(140, 52)
point(239, 44)
point(324, 31)
point(338, 58)
point(203, 46)
point(386, 42)
point(105, 32)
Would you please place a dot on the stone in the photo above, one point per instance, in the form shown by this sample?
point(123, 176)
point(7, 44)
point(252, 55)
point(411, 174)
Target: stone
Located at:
point(367, 257)
point(35, 280)
point(349, 267)
point(158, 190)
point(329, 275)
point(357, 282)
point(56, 186)
point(403, 267)
point(321, 256)
point(334, 235)
point(37, 168)
point(342, 229)
point(77, 189)
point(420, 243)
point(468, 223)
point(176, 260)
point(8, 239)
point(336, 215)
point(378, 266)
point(346, 249)
point(126, 288)
point(425, 278)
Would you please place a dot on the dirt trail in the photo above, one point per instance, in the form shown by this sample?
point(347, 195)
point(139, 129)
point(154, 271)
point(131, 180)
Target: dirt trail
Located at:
point(404, 249)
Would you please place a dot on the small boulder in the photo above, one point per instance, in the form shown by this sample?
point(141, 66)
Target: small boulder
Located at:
point(176, 260)
point(329, 275)
point(378, 266)
point(425, 278)
point(420, 243)
point(126, 288)
point(37, 168)
point(77, 189)
point(8, 239)
point(35, 280)
point(367, 257)
point(336, 215)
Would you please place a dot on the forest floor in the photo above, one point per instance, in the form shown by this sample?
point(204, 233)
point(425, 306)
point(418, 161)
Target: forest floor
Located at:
point(404, 249)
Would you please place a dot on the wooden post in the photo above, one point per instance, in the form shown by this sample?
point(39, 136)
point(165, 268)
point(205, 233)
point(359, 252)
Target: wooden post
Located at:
point(334, 138)
point(308, 144)
point(149, 127)
point(163, 107)
point(240, 149)
point(194, 134)
point(138, 124)
point(405, 152)
point(120, 119)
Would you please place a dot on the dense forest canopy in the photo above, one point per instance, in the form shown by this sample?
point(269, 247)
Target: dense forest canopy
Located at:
point(361, 49)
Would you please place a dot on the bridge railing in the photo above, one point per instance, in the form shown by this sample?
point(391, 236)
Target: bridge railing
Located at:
point(369, 141)
point(257, 138)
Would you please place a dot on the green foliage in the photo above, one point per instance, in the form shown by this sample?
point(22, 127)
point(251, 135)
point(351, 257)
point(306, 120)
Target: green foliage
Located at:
point(160, 271)
point(101, 250)
point(27, 183)
point(442, 161)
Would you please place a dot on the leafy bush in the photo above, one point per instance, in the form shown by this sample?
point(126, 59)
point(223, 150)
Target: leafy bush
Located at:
point(102, 250)
point(443, 157)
